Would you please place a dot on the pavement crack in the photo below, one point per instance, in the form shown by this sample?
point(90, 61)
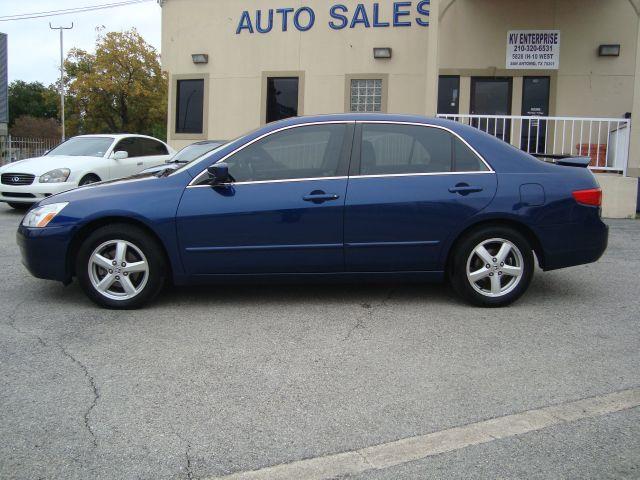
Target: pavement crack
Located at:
point(94, 388)
point(188, 455)
point(370, 309)
point(12, 324)
point(365, 458)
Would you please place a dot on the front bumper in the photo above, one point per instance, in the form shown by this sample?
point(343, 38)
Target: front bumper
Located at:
point(32, 193)
point(44, 251)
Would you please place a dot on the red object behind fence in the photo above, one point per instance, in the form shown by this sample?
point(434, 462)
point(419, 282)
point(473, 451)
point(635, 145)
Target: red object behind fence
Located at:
point(596, 151)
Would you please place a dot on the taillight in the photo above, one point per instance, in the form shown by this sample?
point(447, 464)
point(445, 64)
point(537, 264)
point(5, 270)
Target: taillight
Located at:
point(592, 197)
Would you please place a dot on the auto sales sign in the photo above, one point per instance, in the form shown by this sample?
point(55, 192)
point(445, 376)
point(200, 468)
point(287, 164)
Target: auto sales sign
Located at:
point(533, 49)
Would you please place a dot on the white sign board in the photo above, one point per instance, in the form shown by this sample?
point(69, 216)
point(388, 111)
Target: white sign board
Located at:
point(533, 49)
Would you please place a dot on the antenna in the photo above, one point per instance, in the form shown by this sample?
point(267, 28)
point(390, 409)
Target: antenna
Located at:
point(61, 29)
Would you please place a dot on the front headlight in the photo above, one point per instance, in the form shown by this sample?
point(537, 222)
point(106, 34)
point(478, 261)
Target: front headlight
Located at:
point(41, 216)
point(59, 175)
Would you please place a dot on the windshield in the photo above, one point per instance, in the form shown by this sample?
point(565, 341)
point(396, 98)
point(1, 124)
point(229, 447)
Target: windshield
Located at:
point(191, 152)
point(83, 147)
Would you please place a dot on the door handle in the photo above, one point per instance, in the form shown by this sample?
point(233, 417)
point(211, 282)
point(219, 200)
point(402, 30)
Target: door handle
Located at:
point(464, 189)
point(320, 197)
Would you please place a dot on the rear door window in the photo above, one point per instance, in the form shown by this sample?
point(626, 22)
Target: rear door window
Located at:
point(465, 160)
point(392, 149)
point(400, 149)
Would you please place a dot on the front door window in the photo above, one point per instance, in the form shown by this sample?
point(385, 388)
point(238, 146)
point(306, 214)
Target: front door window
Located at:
point(301, 152)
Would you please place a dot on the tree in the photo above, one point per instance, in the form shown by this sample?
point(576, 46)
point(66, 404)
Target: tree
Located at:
point(119, 88)
point(32, 99)
point(29, 126)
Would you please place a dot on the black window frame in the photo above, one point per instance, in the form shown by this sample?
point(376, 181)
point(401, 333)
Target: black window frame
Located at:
point(180, 128)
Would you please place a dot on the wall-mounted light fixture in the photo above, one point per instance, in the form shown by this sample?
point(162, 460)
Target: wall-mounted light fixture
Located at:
point(612, 50)
point(200, 58)
point(382, 52)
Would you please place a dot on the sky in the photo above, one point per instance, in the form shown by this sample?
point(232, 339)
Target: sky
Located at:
point(34, 49)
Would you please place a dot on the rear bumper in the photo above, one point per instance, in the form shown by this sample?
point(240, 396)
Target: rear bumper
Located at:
point(44, 251)
point(573, 244)
point(32, 193)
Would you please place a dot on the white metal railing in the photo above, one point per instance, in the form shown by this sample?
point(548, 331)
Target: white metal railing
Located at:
point(19, 148)
point(604, 140)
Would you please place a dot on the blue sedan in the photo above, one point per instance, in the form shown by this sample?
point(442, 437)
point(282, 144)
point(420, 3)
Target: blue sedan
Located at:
point(340, 197)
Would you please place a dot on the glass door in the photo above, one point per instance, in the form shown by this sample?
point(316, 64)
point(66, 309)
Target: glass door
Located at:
point(535, 103)
point(492, 96)
point(449, 94)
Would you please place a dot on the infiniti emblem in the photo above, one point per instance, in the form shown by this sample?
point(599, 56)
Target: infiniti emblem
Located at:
point(15, 179)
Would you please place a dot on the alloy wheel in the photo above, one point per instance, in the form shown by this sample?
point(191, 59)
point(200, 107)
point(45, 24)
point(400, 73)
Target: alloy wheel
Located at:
point(495, 267)
point(118, 270)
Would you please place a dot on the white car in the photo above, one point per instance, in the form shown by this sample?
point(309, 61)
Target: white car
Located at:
point(79, 161)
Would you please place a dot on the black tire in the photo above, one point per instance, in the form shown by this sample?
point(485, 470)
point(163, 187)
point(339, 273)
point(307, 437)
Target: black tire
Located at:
point(19, 206)
point(88, 179)
point(140, 242)
point(509, 288)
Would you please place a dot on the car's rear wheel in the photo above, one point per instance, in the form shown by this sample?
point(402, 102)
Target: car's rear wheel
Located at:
point(492, 266)
point(19, 206)
point(121, 266)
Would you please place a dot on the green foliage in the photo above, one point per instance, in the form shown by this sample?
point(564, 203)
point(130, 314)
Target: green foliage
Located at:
point(29, 126)
point(32, 99)
point(119, 88)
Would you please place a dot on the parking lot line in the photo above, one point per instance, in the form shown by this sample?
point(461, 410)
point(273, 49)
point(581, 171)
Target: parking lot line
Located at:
point(409, 449)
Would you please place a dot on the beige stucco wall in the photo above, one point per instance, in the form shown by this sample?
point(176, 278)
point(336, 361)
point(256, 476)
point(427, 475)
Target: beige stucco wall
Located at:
point(619, 195)
point(326, 56)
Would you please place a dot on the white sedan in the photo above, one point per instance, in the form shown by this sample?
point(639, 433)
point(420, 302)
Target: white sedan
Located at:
point(79, 161)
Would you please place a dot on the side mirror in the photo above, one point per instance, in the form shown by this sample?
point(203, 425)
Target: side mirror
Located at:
point(218, 173)
point(120, 155)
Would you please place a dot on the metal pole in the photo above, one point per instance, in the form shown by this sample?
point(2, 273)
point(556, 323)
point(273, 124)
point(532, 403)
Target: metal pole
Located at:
point(61, 75)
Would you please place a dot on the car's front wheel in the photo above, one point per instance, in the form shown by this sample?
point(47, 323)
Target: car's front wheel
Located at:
point(121, 266)
point(88, 180)
point(492, 266)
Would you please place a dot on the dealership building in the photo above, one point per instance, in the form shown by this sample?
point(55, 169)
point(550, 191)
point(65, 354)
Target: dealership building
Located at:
point(550, 77)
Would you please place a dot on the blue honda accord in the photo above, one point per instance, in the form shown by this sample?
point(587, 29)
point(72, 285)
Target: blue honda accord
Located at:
point(337, 197)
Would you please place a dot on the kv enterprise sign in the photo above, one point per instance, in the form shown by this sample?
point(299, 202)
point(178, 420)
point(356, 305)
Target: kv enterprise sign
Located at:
point(398, 14)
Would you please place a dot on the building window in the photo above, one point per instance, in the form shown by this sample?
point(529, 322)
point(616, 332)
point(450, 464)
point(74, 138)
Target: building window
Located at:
point(366, 95)
point(189, 106)
point(282, 98)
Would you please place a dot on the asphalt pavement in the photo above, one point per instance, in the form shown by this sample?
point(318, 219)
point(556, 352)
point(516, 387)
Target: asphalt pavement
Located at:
point(211, 381)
